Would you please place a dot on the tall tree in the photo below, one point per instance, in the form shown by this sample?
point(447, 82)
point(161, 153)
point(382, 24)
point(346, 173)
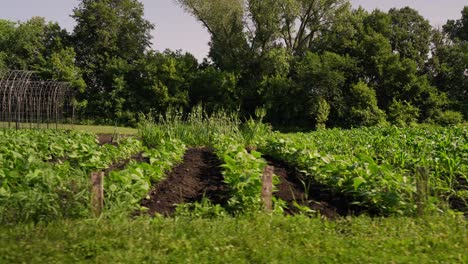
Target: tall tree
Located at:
point(259, 25)
point(448, 66)
point(458, 29)
point(40, 46)
point(110, 37)
point(246, 33)
point(410, 34)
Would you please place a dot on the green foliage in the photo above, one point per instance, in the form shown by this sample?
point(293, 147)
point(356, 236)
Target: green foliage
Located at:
point(215, 89)
point(39, 46)
point(284, 100)
point(44, 175)
point(376, 167)
point(203, 209)
point(254, 130)
point(402, 113)
point(284, 55)
point(253, 239)
point(364, 108)
point(195, 129)
point(323, 110)
point(448, 117)
point(457, 30)
point(242, 171)
point(110, 37)
point(126, 188)
point(325, 76)
point(410, 35)
point(448, 67)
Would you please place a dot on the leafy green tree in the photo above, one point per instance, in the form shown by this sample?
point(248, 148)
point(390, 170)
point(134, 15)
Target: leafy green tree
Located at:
point(364, 109)
point(224, 20)
point(457, 30)
point(39, 46)
point(410, 34)
point(215, 90)
point(285, 101)
point(110, 37)
point(247, 34)
point(449, 63)
point(7, 38)
point(450, 75)
point(158, 81)
point(256, 26)
point(29, 45)
point(326, 76)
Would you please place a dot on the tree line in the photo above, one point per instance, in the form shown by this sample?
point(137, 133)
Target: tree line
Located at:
point(308, 63)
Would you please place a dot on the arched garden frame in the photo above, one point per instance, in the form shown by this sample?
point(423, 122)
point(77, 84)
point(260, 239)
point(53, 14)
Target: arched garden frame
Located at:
point(26, 101)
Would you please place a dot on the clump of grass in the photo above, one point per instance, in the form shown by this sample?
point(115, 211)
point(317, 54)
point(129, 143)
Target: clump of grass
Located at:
point(194, 129)
point(254, 131)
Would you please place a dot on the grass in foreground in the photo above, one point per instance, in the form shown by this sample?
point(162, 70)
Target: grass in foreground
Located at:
point(259, 239)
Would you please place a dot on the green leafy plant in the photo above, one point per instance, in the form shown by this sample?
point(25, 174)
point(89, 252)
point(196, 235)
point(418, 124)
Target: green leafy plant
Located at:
point(377, 167)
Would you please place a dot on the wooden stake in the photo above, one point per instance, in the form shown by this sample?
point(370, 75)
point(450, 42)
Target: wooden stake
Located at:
point(267, 188)
point(422, 189)
point(97, 192)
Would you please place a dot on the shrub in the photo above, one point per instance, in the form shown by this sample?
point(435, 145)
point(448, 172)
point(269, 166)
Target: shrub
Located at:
point(323, 110)
point(402, 113)
point(364, 109)
point(446, 118)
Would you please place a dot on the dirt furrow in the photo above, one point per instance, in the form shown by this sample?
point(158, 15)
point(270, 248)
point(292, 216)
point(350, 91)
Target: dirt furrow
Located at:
point(198, 176)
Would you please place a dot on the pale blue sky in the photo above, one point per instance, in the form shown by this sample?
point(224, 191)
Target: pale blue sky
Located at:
point(176, 29)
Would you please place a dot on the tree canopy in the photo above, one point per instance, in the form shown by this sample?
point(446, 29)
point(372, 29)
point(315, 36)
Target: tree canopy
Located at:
point(311, 63)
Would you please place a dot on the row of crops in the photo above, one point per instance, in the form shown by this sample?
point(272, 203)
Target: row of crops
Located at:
point(45, 174)
point(388, 170)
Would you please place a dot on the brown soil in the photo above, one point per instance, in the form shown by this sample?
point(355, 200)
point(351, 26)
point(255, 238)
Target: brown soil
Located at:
point(458, 203)
point(198, 176)
point(106, 139)
point(318, 198)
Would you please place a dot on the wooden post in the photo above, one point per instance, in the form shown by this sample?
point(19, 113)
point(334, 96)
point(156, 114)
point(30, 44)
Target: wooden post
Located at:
point(422, 189)
point(267, 188)
point(97, 192)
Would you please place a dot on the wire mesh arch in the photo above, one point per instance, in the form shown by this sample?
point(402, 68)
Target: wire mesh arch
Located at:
point(28, 101)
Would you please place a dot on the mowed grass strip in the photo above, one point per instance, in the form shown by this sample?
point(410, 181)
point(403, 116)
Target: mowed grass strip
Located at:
point(257, 239)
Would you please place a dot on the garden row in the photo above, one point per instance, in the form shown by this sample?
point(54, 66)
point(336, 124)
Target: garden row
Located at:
point(388, 170)
point(44, 175)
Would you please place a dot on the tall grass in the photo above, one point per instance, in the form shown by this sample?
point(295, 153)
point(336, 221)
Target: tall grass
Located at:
point(194, 129)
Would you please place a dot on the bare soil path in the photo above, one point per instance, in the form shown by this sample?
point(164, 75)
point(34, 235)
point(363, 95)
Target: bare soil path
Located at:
point(198, 176)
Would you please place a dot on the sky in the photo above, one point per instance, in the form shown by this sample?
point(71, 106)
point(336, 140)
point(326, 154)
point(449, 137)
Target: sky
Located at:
point(176, 29)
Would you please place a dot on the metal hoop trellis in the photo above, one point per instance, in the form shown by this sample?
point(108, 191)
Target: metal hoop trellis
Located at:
point(28, 101)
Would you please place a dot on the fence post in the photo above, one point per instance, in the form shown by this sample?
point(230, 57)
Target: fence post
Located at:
point(267, 188)
point(97, 192)
point(422, 189)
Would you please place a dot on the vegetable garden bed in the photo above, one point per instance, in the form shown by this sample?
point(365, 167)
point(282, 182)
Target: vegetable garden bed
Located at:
point(197, 177)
